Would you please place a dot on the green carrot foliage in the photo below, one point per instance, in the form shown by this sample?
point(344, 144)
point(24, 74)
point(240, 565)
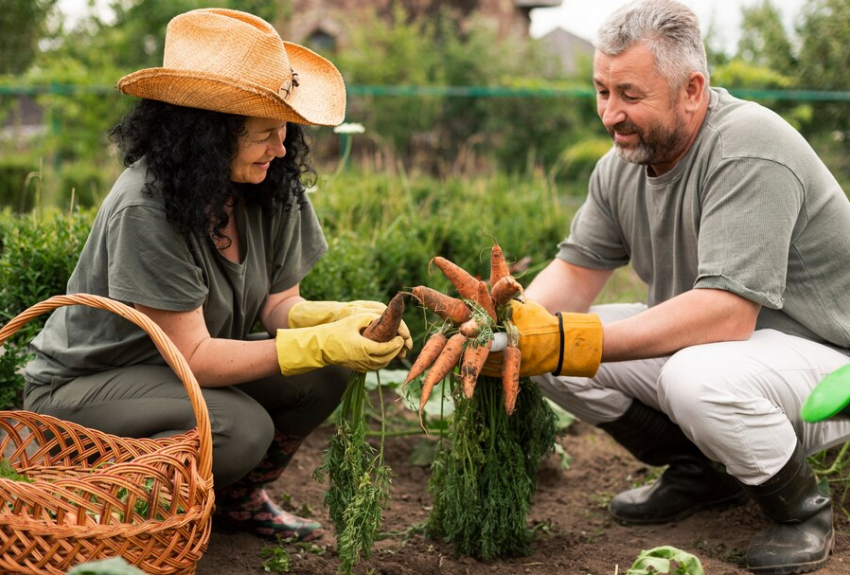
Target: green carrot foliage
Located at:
point(358, 480)
point(485, 474)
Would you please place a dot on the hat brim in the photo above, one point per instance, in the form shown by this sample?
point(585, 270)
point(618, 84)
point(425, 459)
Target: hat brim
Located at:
point(318, 99)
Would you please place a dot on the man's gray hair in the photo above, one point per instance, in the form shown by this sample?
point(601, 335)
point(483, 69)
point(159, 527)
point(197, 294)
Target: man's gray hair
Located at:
point(669, 29)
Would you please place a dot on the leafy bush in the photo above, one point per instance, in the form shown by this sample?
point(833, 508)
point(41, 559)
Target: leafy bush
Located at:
point(578, 161)
point(39, 253)
point(17, 187)
point(87, 182)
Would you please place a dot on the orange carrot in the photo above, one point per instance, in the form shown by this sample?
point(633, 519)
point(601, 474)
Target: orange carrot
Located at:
point(498, 266)
point(484, 300)
point(504, 289)
point(445, 306)
point(430, 351)
point(469, 328)
point(442, 366)
point(511, 358)
point(474, 357)
point(385, 328)
point(466, 285)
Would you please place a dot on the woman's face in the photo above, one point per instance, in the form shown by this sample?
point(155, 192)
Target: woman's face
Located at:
point(258, 146)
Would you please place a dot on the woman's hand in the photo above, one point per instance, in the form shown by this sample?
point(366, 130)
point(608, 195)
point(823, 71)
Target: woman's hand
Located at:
point(307, 313)
point(336, 343)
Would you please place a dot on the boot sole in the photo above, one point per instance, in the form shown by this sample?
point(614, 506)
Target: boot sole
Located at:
point(800, 567)
point(737, 499)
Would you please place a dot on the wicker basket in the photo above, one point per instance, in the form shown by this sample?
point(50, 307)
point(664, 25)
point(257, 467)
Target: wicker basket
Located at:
point(95, 495)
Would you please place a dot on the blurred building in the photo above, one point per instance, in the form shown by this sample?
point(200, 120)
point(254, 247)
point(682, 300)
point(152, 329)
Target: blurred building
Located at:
point(322, 24)
point(574, 53)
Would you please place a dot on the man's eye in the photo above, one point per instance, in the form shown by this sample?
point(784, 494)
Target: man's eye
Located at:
point(629, 98)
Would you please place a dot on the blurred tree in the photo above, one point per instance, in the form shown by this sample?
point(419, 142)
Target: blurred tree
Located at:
point(764, 40)
point(825, 57)
point(22, 25)
point(444, 133)
point(824, 61)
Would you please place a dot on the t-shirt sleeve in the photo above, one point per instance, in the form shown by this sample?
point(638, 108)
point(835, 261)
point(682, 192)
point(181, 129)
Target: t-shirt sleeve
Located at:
point(149, 262)
point(750, 208)
point(595, 240)
point(299, 245)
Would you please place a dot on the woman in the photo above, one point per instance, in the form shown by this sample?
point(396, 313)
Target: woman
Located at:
point(208, 232)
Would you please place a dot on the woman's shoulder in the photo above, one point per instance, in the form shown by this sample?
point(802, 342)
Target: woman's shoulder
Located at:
point(130, 192)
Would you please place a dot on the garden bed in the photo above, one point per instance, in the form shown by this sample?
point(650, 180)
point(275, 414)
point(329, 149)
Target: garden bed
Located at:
point(575, 534)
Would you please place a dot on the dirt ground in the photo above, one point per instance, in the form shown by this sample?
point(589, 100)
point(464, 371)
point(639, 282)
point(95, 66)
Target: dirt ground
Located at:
point(574, 533)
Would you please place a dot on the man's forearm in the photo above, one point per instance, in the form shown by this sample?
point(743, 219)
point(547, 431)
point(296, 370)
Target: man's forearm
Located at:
point(695, 317)
point(565, 287)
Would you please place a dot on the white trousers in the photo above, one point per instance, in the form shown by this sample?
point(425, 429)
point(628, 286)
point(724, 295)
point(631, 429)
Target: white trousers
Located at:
point(739, 402)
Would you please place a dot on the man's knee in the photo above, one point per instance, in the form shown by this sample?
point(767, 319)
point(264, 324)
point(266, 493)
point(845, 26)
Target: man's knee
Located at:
point(693, 385)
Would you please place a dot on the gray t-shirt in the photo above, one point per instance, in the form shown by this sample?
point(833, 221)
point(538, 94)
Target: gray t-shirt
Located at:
point(750, 209)
point(135, 256)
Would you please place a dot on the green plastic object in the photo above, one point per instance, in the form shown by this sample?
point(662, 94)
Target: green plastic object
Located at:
point(829, 397)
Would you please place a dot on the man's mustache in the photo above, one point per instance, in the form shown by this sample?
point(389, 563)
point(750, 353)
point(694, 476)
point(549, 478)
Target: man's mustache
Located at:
point(625, 128)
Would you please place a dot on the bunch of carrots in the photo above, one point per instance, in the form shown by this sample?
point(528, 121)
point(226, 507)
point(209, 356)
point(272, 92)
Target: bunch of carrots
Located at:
point(485, 472)
point(473, 319)
point(484, 475)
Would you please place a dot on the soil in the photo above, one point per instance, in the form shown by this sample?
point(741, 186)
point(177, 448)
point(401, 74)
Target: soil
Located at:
point(575, 535)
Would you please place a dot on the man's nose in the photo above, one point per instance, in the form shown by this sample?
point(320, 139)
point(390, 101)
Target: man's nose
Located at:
point(612, 113)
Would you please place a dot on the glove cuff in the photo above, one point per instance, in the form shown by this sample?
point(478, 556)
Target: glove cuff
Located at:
point(581, 344)
point(560, 366)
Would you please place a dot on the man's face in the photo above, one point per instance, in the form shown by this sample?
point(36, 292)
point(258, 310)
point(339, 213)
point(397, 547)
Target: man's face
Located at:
point(637, 107)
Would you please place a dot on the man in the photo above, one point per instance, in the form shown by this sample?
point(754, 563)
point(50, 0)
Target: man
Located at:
point(743, 238)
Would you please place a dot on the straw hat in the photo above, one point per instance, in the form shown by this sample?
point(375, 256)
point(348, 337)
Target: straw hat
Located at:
point(234, 62)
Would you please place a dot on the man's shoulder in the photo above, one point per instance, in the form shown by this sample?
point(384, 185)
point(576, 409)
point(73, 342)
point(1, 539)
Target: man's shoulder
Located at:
point(745, 128)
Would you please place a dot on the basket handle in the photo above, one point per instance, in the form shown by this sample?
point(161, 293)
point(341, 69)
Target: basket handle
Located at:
point(163, 343)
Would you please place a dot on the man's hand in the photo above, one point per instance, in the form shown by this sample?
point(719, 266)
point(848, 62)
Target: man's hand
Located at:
point(563, 344)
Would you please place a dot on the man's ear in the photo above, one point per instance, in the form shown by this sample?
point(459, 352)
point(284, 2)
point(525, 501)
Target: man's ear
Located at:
point(693, 91)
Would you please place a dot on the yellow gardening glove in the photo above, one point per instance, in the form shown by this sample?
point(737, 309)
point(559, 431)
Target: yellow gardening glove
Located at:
point(337, 343)
point(312, 313)
point(563, 344)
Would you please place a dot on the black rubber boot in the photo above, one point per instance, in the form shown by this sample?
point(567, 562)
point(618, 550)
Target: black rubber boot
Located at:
point(690, 483)
point(800, 536)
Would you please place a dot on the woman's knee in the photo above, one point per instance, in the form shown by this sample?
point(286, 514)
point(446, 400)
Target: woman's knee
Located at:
point(242, 433)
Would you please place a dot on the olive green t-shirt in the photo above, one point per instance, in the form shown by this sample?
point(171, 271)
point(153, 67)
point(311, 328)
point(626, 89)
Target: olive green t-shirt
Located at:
point(750, 209)
point(135, 256)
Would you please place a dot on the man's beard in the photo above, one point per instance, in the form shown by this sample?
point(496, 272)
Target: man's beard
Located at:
point(656, 145)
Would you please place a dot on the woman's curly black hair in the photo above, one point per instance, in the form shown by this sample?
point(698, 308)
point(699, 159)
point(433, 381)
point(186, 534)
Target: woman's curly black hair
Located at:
point(188, 152)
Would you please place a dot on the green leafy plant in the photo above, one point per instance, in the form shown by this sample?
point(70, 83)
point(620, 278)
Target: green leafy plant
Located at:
point(113, 566)
point(666, 560)
point(485, 475)
point(358, 479)
point(9, 472)
point(40, 251)
point(276, 559)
